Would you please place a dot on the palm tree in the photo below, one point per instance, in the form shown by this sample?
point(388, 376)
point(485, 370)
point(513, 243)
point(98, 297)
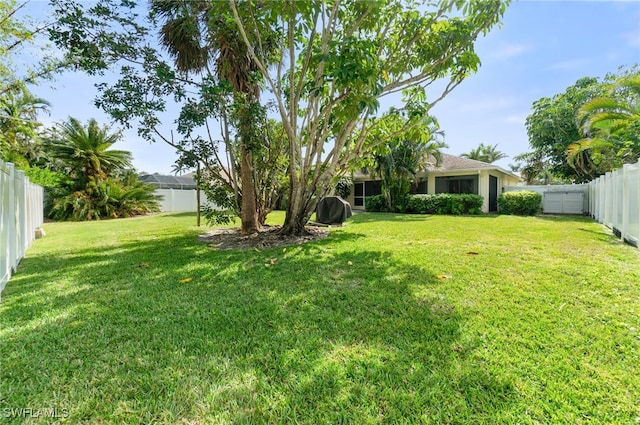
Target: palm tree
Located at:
point(199, 34)
point(404, 160)
point(485, 153)
point(18, 127)
point(610, 125)
point(85, 151)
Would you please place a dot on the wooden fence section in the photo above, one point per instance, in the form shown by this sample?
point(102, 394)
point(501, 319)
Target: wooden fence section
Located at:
point(21, 213)
point(614, 200)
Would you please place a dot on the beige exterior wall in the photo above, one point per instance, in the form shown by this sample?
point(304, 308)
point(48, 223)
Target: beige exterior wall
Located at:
point(504, 180)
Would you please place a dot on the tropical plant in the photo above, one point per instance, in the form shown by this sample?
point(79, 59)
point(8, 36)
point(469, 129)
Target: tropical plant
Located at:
point(611, 126)
point(208, 77)
point(84, 152)
point(552, 128)
point(19, 137)
point(100, 183)
point(485, 153)
point(108, 198)
point(398, 162)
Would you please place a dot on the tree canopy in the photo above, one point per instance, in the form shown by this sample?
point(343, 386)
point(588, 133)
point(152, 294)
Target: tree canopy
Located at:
point(611, 127)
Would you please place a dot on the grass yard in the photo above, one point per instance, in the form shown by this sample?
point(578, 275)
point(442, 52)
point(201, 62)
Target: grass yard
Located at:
point(392, 319)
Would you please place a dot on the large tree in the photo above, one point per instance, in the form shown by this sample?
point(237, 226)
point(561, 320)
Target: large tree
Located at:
point(200, 34)
point(338, 60)
point(220, 128)
point(16, 35)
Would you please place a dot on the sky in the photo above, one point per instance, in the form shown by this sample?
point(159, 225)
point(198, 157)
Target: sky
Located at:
point(541, 48)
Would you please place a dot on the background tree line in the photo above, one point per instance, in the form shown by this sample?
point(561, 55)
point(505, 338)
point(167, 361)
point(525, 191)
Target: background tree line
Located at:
point(591, 128)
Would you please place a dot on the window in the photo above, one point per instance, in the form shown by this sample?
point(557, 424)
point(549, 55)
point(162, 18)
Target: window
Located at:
point(457, 184)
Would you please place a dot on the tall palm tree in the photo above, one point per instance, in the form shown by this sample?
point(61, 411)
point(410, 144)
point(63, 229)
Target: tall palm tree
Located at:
point(85, 151)
point(199, 34)
point(611, 126)
point(19, 139)
point(485, 153)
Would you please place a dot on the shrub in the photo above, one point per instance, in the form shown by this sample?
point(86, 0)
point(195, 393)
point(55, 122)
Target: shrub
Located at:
point(375, 203)
point(111, 198)
point(520, 202)
point(443, 203)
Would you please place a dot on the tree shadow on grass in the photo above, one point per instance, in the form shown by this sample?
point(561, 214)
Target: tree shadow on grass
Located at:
point(321, 332)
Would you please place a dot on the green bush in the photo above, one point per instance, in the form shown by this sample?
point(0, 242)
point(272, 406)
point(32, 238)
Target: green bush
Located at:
point(445, 203)
point(111, 198)
point(520, 202)
point(442, 203)
point(375, 203)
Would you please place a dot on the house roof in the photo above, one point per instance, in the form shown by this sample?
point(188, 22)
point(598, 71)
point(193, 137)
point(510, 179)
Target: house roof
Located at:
point(456, 163)
point(452, 163)
point(169, 182)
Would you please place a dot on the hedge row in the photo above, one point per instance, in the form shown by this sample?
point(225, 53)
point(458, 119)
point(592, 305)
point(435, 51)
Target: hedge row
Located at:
point(520, 202)
point(442, 203)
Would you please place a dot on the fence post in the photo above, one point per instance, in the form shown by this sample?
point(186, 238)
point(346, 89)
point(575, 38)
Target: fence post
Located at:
point(638, 202)
point(625, 201)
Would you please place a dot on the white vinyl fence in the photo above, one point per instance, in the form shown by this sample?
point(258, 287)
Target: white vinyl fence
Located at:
point(175, 200)
point(21, 213)
point(615, 202)
point(560, 198)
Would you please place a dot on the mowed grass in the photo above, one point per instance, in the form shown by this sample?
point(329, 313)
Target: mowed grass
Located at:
point(392, 319)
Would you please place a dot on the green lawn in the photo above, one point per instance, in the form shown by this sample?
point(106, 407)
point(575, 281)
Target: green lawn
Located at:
point(392, 319)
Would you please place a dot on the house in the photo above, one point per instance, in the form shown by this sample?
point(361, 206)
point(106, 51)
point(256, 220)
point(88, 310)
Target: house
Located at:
point(454, 174)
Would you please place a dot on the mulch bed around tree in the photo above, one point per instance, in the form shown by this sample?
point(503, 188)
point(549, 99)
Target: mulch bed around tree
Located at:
point(267, 237)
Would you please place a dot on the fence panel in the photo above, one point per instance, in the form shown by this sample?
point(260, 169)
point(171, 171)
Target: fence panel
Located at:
point(553, 189)
point(175, 200)
point(616, 202)
point(21, 213)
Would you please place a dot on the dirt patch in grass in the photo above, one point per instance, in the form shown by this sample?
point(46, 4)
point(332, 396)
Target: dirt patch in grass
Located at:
point(267, 237)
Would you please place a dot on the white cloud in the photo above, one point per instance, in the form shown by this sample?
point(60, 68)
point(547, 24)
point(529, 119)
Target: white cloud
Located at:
point(507, 51)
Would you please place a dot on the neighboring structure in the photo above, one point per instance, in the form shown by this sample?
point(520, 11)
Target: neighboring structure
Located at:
point(178, 192)
point(454, 175)
point(185, 182)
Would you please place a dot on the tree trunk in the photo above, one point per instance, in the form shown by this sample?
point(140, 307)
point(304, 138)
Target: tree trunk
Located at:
point(302, 205)
point(249, 213)
point(295, 222)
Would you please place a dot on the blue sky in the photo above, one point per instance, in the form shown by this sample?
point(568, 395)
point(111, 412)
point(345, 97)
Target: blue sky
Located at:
point(541, 48)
